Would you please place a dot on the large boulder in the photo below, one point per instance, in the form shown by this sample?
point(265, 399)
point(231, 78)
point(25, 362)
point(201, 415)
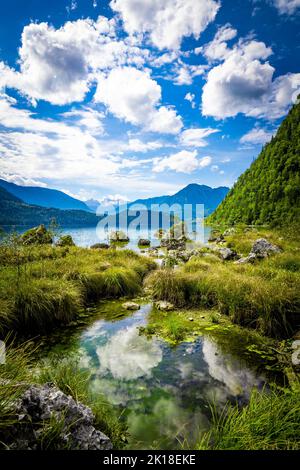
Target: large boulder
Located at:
point(227, 254)
point(65, 240)
point(42, 403)
point(247, 260)
point(37, 236)
point(262, 248)
point(131, 306)
point(164, 306)
point(144, 242)
point(118, 236)
point(100, 246)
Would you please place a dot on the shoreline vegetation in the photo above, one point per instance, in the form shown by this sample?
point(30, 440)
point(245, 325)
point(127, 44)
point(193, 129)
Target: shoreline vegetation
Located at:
point(46, 286)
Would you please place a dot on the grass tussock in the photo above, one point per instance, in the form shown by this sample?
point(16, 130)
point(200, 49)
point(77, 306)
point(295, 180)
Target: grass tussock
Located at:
point(271, 421)
point(14, 375)
point(43, 287)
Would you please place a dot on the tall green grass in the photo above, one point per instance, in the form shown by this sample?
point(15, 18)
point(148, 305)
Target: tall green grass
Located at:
point(44, 287)
point(264, 296)
point(271, 421)
point(14, 376)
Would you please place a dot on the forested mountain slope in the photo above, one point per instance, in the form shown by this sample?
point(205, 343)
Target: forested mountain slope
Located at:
point(269, 191)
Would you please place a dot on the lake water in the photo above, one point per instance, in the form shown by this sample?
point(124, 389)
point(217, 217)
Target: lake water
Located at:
point(87, 236)
point(162, 390)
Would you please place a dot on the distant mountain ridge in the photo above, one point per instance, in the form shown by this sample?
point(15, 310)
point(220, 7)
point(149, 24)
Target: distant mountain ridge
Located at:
point(14, 212)
point(44, 197)
point(269, 191)
point(190, 194)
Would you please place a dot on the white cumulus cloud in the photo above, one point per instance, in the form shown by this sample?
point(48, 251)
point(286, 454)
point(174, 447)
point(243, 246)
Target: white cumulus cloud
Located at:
point(132, 95)
point(243, 83)
point(59, 65)
point(181, 162)
point(166, 22)
point(217, 49)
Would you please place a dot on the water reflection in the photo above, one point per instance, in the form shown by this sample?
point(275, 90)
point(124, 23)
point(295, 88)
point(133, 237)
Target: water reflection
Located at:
point(164, 390)
point(127, 355)
point(236, 378)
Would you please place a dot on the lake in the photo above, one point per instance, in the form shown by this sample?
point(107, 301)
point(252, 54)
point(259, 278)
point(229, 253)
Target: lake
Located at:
point(87, 236)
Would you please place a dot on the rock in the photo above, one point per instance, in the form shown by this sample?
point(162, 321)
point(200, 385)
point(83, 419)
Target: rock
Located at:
point(40, 404)
point(191, 319)
point(262, 248)
point(229, 231)
point(119, 236)
point(65, 240)
point(144, 242)
point(173, 243)
point(248, 259)
point(227, 254)
point(100, 246)
point(215, 234)
point(103, 266)
point(220, 239)
point(37, 236)
point(131, 306)
point(164, 306)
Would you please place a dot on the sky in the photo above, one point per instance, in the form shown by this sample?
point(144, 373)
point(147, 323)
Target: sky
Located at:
point(127, 99)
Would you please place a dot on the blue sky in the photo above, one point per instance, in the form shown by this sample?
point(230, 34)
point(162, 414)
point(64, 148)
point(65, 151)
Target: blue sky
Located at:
point(135, 98)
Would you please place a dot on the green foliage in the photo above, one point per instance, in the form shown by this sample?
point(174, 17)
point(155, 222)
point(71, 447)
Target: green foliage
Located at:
point(271, 421)
point(269, 191)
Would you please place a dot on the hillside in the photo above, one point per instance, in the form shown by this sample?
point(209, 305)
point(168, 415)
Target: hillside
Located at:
point(44, 197)
point(13, 211)
point(269, 191)
point(191, 194)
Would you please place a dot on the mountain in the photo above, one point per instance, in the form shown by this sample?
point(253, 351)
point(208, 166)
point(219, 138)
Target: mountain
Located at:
point(269, 191)
point(191, 194)
point(44, 197)
point(92, 204)
point(13, 211)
